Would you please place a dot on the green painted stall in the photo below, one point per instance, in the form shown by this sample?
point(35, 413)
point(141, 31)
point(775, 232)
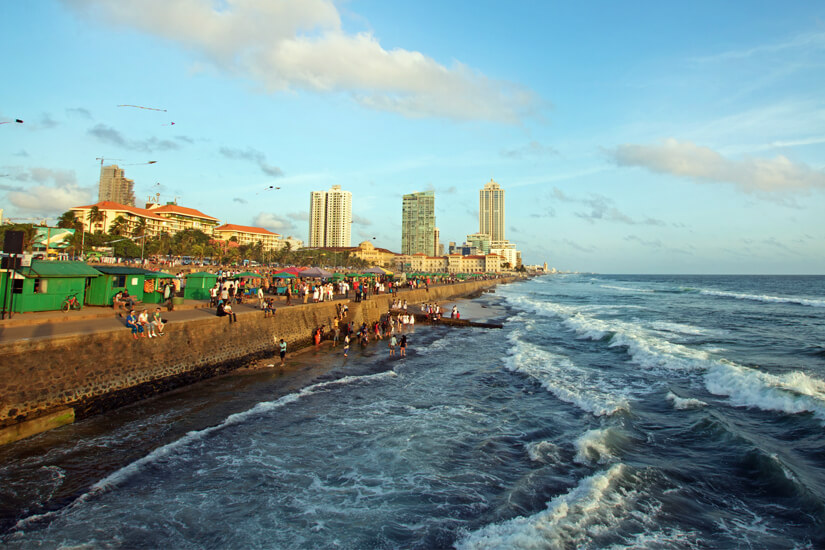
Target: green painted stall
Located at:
point(44, 285)
point(114, 278)
point(198, 285)
point(154, 282)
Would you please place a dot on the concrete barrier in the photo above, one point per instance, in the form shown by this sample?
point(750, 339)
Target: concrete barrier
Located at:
point(93, 373)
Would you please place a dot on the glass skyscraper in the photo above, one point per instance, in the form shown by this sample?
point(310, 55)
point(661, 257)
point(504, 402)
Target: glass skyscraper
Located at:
point(418, 223)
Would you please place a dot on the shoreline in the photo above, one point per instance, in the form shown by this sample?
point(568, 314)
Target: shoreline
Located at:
point(57, 381)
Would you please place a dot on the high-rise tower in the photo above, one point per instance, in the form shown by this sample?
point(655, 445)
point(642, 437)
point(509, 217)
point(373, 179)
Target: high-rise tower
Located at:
point(491, 211)
point(330, 218)
point(418, 223)
point(115, 187)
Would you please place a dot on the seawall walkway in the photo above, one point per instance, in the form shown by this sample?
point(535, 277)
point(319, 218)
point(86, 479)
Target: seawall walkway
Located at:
point(57, 367)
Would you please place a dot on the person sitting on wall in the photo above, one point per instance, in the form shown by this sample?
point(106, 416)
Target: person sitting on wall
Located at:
point(132, 323)
point(227, 309)
point(128, 301)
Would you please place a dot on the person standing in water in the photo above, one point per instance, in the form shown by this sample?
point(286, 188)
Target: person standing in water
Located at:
point(402, 347)
point(283, 351)
point(346, 345)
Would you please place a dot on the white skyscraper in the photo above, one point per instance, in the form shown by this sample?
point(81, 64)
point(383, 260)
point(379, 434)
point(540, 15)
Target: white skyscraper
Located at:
point(330, 218)
point(491, 211)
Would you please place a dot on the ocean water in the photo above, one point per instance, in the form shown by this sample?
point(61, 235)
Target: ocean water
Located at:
point(609, 412)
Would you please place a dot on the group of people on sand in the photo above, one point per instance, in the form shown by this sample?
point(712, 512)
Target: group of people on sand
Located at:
point(143, 326)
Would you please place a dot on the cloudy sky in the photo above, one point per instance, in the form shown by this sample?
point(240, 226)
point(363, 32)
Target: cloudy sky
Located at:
point(630, 137)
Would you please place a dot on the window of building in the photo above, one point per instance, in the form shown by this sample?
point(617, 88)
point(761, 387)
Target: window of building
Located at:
point(120, 281)
point(41, 286)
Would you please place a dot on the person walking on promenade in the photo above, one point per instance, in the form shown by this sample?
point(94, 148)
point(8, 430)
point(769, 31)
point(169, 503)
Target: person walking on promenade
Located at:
point(283, 351)
point(289, 295)
point(260, 297)
point(402, 348)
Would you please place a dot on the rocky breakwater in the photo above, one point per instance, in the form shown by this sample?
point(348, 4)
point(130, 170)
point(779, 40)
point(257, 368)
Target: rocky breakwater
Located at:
point(46, 383)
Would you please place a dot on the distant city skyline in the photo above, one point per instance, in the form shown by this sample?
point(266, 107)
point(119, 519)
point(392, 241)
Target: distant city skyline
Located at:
point(630, 138)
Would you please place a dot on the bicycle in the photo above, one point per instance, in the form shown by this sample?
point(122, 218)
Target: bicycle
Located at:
point(70, 302)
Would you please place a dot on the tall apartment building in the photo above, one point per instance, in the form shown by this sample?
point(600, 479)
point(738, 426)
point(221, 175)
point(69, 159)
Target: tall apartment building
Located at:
point(330, 218)
point(491, 211)
point(418, 224)
point(115, 186)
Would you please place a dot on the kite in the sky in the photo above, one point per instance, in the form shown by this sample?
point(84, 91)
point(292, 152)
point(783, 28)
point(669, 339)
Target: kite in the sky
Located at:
point(170, 124)
point(268, 188)
point(17, 120)
point(141, 107)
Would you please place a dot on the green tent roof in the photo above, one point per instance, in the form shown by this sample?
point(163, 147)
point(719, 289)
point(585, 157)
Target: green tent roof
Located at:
point(159, 275)
point(121, 270)
point(201, 275)
point(45, 268)
point(249, 275)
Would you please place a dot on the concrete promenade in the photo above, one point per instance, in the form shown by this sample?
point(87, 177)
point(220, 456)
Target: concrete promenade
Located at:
point(94, 319)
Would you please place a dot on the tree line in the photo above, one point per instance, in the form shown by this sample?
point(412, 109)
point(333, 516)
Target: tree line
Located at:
point(133, 242)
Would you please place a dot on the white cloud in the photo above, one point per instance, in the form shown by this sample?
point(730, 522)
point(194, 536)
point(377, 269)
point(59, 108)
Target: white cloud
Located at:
point(58, 192)
point(686, 159)
point(299, 44)
point(274, 223)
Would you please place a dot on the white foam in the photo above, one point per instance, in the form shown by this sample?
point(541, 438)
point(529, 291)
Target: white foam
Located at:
point(594, 507)
point(793, 392)
point(544, 451)
point(627, 289)
point(569, 383)
point(765, 298)
point(682, 403)
point(592, 447)
point(680, 328)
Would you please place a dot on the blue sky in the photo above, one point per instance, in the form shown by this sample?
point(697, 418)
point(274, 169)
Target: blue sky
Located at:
point(638, 137)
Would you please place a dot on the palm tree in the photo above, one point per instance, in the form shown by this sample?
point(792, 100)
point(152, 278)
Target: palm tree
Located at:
point(96, 217)
point(68, 220)
point(119, 226)
point(140, 228)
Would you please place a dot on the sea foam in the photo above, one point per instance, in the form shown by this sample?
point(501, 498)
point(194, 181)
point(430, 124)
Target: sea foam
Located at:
point(592, 508)
point(593, 446)
point(569, 383)
point(764, 298)
point(682, 403)
point(793, 392)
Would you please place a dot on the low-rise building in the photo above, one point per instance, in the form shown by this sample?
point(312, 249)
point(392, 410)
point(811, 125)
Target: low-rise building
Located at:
point(132, 215)
point(452, 263)
point(249, 235)
point(182, 218)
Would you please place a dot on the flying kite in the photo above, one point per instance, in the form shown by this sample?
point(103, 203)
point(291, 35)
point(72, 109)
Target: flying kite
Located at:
point(170, 124)
point(141, 107)
point(268, 188)
point(17, 120)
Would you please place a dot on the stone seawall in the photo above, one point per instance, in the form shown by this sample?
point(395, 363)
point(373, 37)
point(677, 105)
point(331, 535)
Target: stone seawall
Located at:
point(92, 373)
